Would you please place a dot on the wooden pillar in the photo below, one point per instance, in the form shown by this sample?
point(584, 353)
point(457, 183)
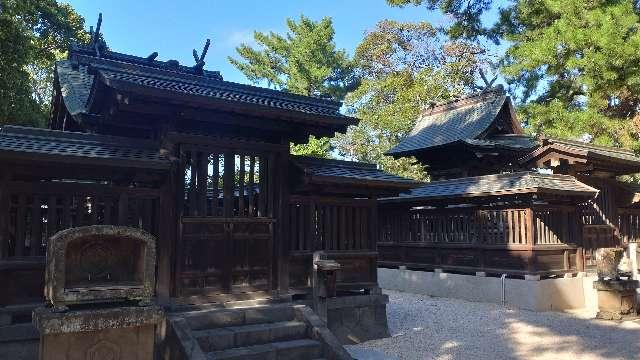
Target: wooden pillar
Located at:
point(530, 239)
point(282, 238)
point(167, 231)
point(4, 215)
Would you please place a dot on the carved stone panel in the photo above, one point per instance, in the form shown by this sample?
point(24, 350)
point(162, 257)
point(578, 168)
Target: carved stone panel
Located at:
point(100, 263)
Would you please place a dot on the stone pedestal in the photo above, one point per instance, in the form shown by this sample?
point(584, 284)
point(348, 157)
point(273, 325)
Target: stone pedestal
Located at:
point(122, 333)
point(616, 298)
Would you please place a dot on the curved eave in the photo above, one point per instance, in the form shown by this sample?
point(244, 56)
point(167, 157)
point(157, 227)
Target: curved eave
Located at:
point(585, 195)
point(48, 158)
point(400, 186)
point(333, 123)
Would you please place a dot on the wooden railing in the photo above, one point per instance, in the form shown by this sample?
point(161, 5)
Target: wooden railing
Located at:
point(496, 238)
point(345, 229)
point(31, 212)
point(629, 225)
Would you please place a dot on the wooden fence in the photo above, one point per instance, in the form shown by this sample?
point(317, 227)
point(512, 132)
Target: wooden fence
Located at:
point(345, 229)
point(30, 212)
point(542, 239)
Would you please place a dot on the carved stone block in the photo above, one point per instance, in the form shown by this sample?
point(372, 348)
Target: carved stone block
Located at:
point(100, 263)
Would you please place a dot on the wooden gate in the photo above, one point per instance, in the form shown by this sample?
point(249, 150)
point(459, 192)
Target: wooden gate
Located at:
point(227, 223)
point(226, 255)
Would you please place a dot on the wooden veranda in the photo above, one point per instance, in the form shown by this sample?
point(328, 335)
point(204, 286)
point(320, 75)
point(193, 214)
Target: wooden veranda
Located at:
point(522, 223)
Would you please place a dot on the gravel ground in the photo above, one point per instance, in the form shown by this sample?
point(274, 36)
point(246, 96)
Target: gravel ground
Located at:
point(424, 327)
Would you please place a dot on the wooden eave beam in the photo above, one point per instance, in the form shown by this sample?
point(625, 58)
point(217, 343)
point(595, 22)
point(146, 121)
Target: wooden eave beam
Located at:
point(200, 101)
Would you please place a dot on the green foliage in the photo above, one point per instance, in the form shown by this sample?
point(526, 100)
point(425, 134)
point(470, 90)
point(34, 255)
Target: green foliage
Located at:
point(577, 64)
point(33, 34)
point(404, 67)
point(466, 15)
point(304, 61)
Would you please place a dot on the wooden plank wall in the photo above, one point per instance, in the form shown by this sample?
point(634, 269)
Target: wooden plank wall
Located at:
point(346, 229)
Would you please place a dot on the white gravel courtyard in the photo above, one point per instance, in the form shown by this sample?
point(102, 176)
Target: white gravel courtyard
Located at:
point(423, 327)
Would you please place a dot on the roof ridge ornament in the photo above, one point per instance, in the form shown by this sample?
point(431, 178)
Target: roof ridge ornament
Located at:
point(198, 68)
point(97, 42)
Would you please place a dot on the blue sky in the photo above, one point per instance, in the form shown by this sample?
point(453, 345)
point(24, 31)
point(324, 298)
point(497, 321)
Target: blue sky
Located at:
point(174, 28)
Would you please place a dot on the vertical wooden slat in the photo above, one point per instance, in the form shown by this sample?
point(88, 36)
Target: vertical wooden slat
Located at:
point(334, 228)
point(262, 184)
point(326, 228)
point(4, 214)
point(108, 209)
point(227, 184)
point(36, 227)
point(309, 231)
point(192, 198)
point(95, 203)
point(271, 188)
point(215, 183)
point(202, 170)
point(123, 209)
point(241, 174)
point(342, 222)
point(300, 211)
point(251, 184)
point(52, 216)
point(20, 225)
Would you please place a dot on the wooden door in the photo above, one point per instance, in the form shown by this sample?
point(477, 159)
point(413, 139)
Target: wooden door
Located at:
point(227, 224)
point(226, 255)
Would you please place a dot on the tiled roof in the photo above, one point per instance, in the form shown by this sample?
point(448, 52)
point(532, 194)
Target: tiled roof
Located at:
point(348, 171)
point(585, 149)
point(52, 145)
point(510, 142)
point(75, 86)
point(139, 73)
point(462, 119)
point(496, 185)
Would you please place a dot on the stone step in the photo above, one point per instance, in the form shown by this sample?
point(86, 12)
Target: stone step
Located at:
point(248, 335)
point(18, 332)
point(220, 318)
point(284, 350)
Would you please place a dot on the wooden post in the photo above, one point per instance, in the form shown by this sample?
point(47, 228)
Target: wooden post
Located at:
point(530, 239)
point(4, 215)
point(324, 282)
point(283, 238)
point(166, 236)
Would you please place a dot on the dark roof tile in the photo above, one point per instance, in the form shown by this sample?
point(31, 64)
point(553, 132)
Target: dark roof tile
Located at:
point(465, 118)
point(496, 185)
point(348, 170)
point(65, 146)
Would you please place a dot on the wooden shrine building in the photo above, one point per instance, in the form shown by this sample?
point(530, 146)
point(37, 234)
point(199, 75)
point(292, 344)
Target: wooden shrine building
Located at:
point(202, 164)
point(491, 210)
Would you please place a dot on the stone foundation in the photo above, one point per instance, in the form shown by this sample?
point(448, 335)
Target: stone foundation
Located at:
point(123, 333)
point(531, 294)
point(356, 319)
point(616, 299)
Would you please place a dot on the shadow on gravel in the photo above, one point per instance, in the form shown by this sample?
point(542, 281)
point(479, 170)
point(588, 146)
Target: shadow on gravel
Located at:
point(447, 329)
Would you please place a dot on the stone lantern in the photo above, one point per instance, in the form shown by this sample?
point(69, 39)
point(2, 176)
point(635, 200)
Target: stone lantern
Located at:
point(616, 296)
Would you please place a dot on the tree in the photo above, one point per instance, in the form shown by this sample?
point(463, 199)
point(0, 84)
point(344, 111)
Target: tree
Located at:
point(33, 34)
point(304, 61)
point(404, 68)
point(577, 66)
point(466, 14)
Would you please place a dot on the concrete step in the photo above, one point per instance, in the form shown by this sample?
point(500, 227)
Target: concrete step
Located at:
point(220, 318)
point(303, 349)
point(248, 335)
